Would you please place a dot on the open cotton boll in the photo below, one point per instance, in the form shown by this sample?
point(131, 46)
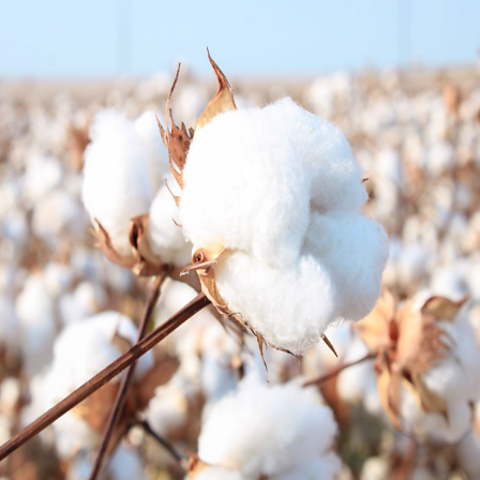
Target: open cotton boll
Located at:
point(447, 428)
point(42, 175)
point(80, 352)
point(279, 190)
point(56, 213)
point(116, 185)
point(58, 278)
point(147, 128)
point(35, 311)
point(260, 430)
point(456, 377)
point(83, 349)
point(168, 409)
point(165, 236)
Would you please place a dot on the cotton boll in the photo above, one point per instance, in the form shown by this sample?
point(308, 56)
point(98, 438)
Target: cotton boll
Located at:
point(35, 311)
point(267, 184)
point(42, 175)
point(116, 186)
point(440, 158)
point(89, 347)
point(259, 292)
point(165, 235)
point(147, 128)
point(266, 430)
point(435, 426)
point(456, 377)
point(168, 409)
point(86, 300)
point(57, 213)
point(58, 278)
point(80, 352)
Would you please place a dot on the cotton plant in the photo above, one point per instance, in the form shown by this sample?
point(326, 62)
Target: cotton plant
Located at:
point(275, 432)
point(271, 200)
point(426, 354)
point(125, 194)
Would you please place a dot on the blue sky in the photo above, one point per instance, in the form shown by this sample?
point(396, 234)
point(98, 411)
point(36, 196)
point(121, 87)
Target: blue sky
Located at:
point(61, 38)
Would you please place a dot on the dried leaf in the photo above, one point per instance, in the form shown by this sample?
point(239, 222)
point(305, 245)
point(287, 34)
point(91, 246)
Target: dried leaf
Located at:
point(443, 308)
point(106, 244)
point(223, 100)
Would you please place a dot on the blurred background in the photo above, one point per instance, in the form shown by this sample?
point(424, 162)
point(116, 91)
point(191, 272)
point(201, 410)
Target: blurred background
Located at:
point(400, 77)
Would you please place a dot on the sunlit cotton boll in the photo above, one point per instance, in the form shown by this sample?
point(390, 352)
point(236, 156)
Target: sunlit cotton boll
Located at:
point(80, 352)
point(456, 377)
point(116, 185)
point(278, 187)
point(261, 430)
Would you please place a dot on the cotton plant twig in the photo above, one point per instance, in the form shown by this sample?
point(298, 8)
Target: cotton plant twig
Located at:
point(179, 456)
point(103, 377)
point(337, 370)
point(152, 299)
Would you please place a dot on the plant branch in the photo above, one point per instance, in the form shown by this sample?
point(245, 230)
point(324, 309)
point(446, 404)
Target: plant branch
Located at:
point(152, 299)
point(337, 370)
point(111, 371)
point(180, 457)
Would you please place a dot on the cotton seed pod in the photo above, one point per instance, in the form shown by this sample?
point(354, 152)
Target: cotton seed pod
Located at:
point(123, 191)
point(271, 201)
point(419, 357)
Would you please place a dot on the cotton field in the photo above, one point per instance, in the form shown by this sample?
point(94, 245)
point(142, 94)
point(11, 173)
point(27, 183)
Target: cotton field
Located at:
point(324, 234)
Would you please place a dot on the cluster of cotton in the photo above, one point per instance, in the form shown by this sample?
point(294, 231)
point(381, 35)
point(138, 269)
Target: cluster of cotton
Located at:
point(417, 139)
point(124, 174)
point(278, 189)
point(281, 432)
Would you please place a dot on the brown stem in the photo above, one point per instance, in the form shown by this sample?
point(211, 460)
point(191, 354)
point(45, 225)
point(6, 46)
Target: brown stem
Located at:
point(101, 378)
point(337, 370)
point(180, 457)
point(121, 397)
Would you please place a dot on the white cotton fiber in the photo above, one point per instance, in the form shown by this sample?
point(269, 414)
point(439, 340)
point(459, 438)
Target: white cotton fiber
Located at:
point(157, 159)
point(164, 233)
point(435, 426)
point(261, 430)
point(116, 185)
point(279, 189)
point(218, 473)
point(457, 376)
point(84, 348)
point(352, 248)
point(36, 315)
point(290, 307)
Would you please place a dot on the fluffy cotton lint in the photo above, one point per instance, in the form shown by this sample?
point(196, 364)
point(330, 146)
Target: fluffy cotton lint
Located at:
point(261, 430)
point(278, 187)
point(116, 185)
